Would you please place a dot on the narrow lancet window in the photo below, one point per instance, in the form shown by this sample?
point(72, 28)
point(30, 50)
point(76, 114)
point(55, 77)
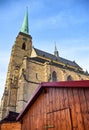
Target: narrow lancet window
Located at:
point(69, 78)
point(54, 76)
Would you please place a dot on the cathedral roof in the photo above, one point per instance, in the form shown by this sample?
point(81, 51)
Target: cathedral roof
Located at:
point(57, 59)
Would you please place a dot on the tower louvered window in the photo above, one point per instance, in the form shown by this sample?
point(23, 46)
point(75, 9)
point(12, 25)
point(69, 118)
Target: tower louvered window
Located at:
point(24, 46)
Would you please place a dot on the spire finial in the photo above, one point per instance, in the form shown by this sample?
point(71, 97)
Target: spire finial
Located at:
point(56, 53)
point(25, 26)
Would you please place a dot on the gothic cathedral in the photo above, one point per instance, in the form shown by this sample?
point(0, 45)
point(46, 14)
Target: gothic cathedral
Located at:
point(29, 66)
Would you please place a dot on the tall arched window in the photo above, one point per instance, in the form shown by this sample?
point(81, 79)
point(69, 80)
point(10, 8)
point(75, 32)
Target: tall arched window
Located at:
point(69, 78)
point(54, 76)
point(24, 46)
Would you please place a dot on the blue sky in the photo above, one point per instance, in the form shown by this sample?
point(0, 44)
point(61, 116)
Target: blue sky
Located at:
point(64, 22)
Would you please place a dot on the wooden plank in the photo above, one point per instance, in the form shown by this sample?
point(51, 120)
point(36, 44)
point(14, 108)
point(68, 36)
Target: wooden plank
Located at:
point(66, 102)
point(86, 92)
point(70, 98)
point(78, 109)
point(58, 121)
point(72, 107)
point(50, 121)
point(87, 97)
point(83, 107)
point(63, 120)
point(44, 121)
point(56, 99)
point(10, 126)
point(68, 119)
point(51, 100)
point(61, 98)
point(40, 122)
point(29, 122)
point(44, 110)
point(54, 103)
point(47, 102)
point(65, 105)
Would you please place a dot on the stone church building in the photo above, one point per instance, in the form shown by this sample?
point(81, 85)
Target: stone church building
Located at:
point(29, 66)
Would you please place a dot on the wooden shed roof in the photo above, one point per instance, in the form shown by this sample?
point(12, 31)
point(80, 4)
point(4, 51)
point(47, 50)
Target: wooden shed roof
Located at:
point(64, 84)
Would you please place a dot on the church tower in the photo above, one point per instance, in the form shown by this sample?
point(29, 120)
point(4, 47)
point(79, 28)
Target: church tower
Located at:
point(21, 48)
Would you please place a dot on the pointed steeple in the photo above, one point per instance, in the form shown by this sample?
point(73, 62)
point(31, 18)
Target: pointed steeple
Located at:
point(56, 53)
point(25, 26)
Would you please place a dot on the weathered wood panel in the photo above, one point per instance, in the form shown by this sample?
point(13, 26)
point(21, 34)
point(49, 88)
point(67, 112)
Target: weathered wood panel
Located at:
point(11, 126)
point(59, 109)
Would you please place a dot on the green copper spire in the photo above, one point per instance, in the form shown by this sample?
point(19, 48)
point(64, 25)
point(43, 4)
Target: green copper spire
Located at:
point(25, 28)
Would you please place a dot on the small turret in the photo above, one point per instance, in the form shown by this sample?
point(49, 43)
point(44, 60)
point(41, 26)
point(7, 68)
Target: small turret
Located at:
point(56, 53)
